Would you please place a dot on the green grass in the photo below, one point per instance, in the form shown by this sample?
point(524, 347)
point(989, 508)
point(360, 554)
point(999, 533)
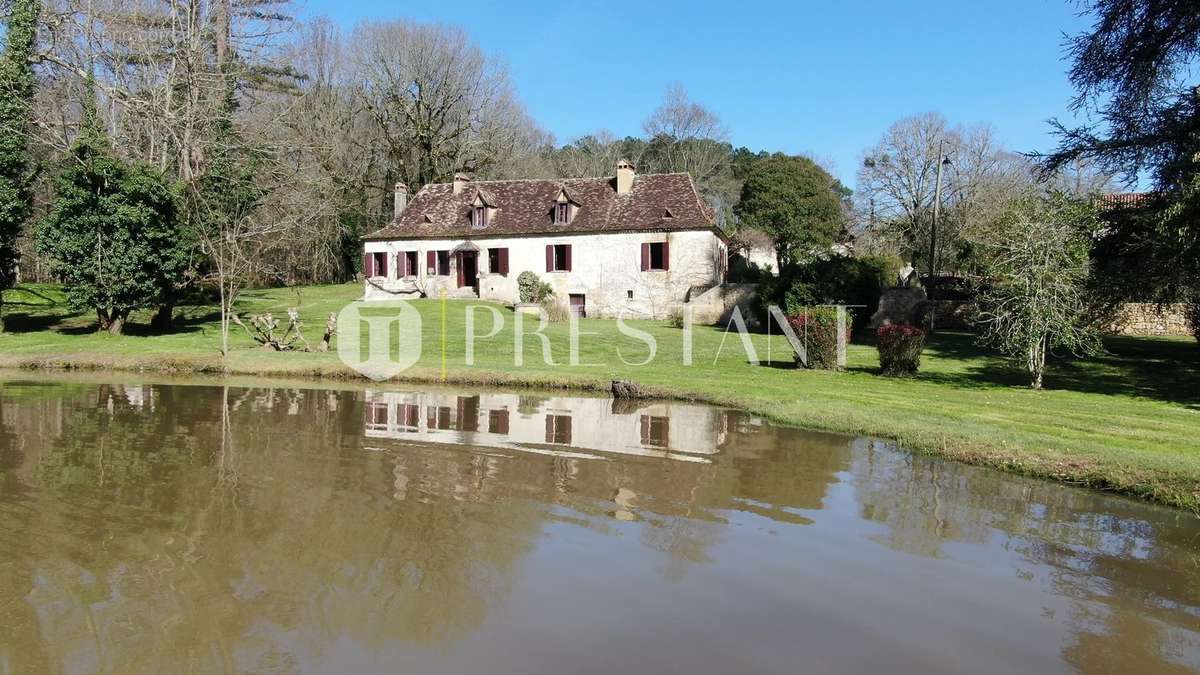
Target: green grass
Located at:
point(1127, 422)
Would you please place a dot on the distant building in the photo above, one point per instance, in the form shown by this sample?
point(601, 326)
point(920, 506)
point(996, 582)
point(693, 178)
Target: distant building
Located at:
point(632, 245)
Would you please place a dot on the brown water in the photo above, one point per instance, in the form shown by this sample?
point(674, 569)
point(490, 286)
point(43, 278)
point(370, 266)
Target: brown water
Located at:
point(164, 529)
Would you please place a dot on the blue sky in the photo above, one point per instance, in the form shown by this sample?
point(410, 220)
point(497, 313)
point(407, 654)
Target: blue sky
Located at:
point(823, 78)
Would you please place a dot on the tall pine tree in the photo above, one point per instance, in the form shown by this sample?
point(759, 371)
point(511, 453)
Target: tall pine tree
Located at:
point(17, 85)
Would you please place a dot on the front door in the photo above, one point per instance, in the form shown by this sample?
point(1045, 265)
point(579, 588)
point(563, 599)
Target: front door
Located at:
point(468, 269)
point(578, 304)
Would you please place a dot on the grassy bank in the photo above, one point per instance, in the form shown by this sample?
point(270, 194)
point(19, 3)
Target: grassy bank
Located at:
point(1127, 422)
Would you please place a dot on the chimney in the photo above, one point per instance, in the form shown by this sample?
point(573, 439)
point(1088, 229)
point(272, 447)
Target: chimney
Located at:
point(460, 182)
point(625, 174)
point(401, 199)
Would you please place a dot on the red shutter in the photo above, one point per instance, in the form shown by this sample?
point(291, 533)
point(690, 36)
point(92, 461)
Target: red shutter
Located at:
point(549, 257)
point(367, 264)
point(504, 261)
point(431, 262)
point(666, 255)
point(401, 264)
point(645, 257)
point(568, 257)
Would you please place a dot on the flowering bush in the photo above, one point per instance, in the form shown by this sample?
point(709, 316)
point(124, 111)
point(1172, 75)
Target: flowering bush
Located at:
point(900, 346)
point(816, 328)
point(532, 289)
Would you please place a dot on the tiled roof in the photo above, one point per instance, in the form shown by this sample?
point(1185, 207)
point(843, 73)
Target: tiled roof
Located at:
point(661, 202)
point(1127, 200)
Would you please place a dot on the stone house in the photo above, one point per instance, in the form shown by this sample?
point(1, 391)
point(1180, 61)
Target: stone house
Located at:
point(633, 245)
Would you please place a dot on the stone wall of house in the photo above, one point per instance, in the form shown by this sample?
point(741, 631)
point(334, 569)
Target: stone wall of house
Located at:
point(1145, 318)
point(605, 268)
point(715, 305)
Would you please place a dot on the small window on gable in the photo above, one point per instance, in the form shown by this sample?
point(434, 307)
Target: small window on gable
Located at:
point(479, 217)
point(667, 214)
point(562, 213)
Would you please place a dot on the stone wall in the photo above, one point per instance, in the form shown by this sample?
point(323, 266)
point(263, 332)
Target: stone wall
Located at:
point(1147, 318)
point(715, 305)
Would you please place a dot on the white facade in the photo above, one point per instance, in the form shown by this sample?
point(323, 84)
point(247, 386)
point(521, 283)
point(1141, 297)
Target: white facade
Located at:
point(606, 269)
point(570, 427)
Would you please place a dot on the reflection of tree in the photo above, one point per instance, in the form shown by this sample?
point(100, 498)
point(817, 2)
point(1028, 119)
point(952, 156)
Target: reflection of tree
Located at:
point(923, 503)
point(256, 529)
point(1119, 572)
point(275, 538)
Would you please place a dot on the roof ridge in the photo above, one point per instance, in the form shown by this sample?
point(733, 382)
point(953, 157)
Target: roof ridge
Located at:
point(556, 180)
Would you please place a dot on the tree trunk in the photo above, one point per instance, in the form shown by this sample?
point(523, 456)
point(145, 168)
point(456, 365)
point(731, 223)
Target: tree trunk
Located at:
point(162, 317)
point(116, 325)
point(102, 318)
point(1037, 363)
point(224, 320)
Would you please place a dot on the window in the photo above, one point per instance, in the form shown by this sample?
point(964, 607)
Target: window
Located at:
point(562, 213)
point(479, 217)
point(498, 261)
point(438, 417)
point(558, 257)
point(656, 256)
point(558, 429)
point(377, 415)
point(468, 413)
point(406, 264)
point(656, 431)
point(498, 421)
point(410, 416)
point(376, 265)
point(629, 294)
point(443, 263)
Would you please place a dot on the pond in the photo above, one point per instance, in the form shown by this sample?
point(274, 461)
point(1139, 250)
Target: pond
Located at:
point(267, 527)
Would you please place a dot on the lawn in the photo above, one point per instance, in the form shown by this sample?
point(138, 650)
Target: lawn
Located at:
point(1128, 421)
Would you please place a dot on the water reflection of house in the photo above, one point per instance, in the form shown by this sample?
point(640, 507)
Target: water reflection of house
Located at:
point(549, 425)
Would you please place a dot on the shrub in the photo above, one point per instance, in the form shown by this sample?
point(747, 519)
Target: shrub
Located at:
point(557, 312)
point(830, 281)
point(900, 346)
point(531, 288)
point(816, 327)
point(675, 318)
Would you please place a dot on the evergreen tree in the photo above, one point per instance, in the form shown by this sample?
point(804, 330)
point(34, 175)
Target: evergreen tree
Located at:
point(1137, 68)
point(112, 235)
point(17, 85)
point(796, 202)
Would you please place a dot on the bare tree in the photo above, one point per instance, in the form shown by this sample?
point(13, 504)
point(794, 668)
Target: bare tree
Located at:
point(686, 137)
point(591, 156)
point(439, 104)
point(897, 183)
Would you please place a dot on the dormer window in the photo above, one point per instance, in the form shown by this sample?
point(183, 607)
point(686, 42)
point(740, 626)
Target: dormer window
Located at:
point(479, 217)
point(562, 213)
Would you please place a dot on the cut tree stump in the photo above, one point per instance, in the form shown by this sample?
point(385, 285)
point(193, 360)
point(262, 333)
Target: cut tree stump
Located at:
point(628, 389)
